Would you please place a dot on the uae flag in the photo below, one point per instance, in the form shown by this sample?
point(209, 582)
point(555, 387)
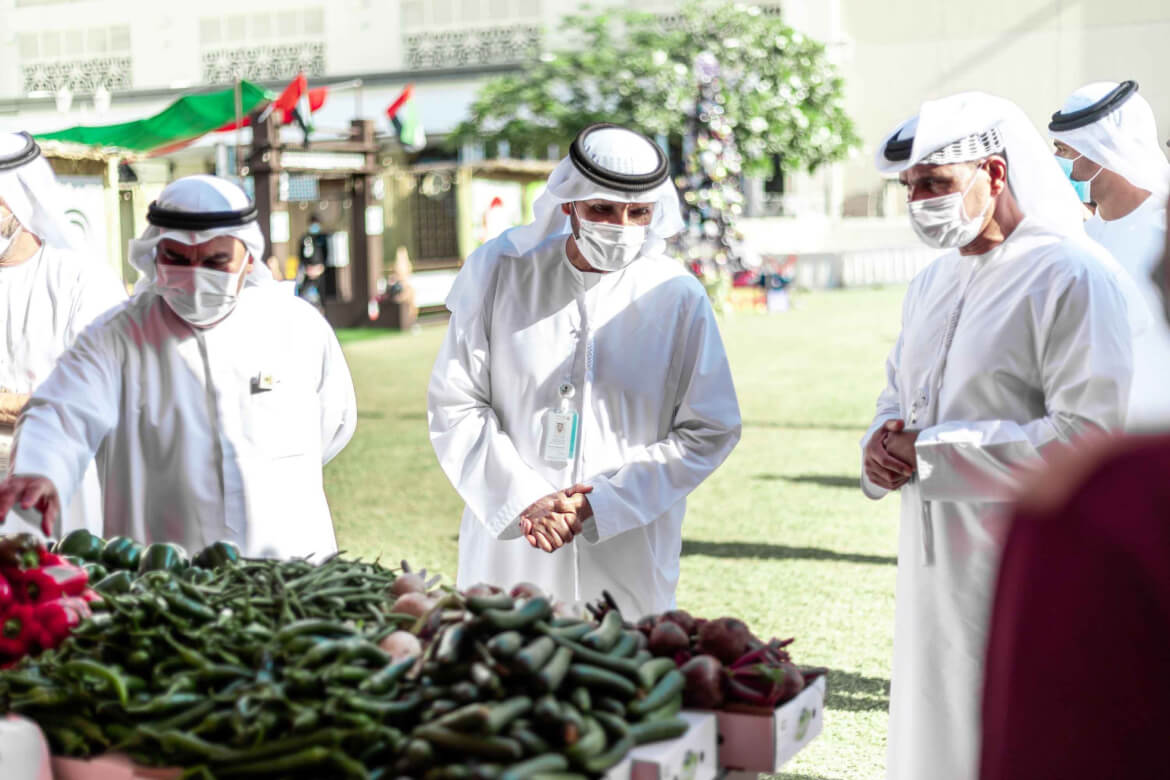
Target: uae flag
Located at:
point(403, 113)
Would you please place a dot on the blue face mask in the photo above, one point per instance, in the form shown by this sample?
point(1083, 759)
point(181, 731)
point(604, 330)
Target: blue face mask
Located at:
point(315, 228)
point(1082, 187)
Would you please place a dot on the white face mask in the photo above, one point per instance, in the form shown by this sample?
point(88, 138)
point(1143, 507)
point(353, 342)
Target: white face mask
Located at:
point(201, 296)
point(942, 223)
point(609, 247)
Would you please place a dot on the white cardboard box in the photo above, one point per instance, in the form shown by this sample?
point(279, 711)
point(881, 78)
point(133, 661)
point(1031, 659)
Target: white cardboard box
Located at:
point(762, 742)
point(619, 772)
point(693, 756)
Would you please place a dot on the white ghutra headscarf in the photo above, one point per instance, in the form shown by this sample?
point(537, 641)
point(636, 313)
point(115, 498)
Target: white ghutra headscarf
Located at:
point(1123, 140)
point(207, 200)
point(30, 189)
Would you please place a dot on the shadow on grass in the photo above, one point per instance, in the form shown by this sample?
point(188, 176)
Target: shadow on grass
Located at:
point(824, 480)
point(368, 415)
point(779, 552)
point(853, 692)
point(791, 776)
point(789, 425)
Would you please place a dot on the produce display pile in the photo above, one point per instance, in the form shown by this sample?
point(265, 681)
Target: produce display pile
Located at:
point(235, 667)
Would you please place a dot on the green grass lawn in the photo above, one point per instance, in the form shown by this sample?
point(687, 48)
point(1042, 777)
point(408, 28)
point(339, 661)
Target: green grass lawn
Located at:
point(779, 536)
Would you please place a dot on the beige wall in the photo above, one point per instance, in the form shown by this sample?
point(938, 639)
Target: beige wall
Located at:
point(897, 53)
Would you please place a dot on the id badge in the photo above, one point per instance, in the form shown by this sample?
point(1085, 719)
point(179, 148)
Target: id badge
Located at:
point(560, 435)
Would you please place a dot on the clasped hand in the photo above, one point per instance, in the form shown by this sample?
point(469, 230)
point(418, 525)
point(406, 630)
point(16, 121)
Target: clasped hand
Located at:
point(552, 522)
point(890, 457)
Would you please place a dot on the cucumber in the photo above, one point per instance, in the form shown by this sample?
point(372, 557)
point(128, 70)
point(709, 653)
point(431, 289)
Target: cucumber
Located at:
point(671, 685)
point(581, 698)
point(528, 613)
point(572, 632)
point(535, 655)
point(549, 762)
point(665, 712)
point(478, 604)
point(500, 715)
point(625, 666)
point(505, 644)
point(451, 643)
point(589, 744)
point(658, 730)
point(651, 672)
point(602, 680)
point(553, 673)
point(609, 704)
point(606, 635)
point(615, 725)
point(494, 748)
point(616, 752)
point(547, 708)
point(531, 741)
point(626, 646)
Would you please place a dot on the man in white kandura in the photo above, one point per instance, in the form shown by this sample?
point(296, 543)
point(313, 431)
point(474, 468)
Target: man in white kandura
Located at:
point(1013, 342)
point(1108, 132)
point(582, 391)
point(214, 396)
point(50, 291)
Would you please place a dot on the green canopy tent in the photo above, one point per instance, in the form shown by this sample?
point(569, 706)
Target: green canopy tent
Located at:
point(181, 122)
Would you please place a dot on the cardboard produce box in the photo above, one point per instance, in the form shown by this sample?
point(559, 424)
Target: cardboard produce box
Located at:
point(756, 740)
point(693, 756)
point(619, 772)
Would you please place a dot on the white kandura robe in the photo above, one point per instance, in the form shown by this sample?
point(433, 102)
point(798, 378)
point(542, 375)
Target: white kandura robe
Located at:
point(192, 449)
point(1137, 241)
point(658, 413)
point(47, 302)
point(1040, 351)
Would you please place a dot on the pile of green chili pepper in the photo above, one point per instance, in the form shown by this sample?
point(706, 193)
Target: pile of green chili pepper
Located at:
point(255, 670)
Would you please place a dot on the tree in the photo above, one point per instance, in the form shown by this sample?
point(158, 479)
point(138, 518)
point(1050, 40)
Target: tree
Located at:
point(778, 93)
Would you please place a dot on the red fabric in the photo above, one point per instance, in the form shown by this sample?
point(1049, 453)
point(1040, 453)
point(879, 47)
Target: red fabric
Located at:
point(286, 102)
point(1078, 662)
point(400, 101)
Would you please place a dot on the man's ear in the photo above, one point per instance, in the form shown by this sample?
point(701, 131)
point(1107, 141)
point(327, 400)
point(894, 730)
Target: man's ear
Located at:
point(565, 207)
point(997, 170)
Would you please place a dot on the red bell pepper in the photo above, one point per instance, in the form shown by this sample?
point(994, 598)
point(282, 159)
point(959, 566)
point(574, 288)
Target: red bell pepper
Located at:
point(20, 552)
point(6, 595)
point(19, 634)
point(52, 559)
point(57, 619)
point(53, 582)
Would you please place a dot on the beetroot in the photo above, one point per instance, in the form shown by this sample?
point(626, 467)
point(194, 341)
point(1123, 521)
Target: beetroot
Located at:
point(682, 619)
point(704, 689)
point(726, 638)
point(481, 589)
point(793, 682)
point(668, 639)
point(417, 604)
point(526, 590)
point(408, 583)
point(401, 645)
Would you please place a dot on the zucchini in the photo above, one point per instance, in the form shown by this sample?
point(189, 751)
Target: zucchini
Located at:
point(658, 730)
point(535, 655)
point(606, 635)
point(602, 679)
point(671, 685)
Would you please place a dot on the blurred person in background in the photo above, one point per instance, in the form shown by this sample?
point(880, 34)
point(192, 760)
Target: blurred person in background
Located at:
point(1077, 679)
point(583, 390)
point(1107, 131)
point(314, 255)
point(50, 290)
point(1012, 342)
